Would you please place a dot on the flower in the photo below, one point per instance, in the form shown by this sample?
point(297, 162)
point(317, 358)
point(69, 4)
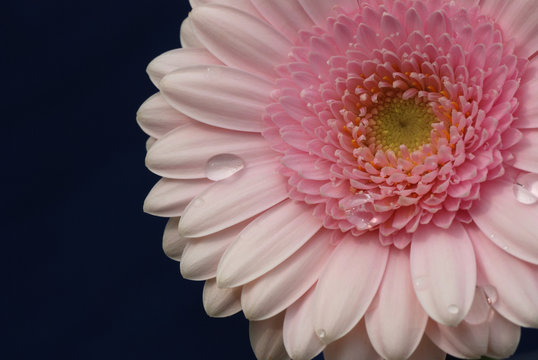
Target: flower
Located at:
point(358, 177)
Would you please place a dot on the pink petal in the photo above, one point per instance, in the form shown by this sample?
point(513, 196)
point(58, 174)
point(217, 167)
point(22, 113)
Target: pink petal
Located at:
point(220, 302)
point(243, 5)
point(156, 117)
point(222, 30)
point(320, 10)
point(527, 112)
point(169, 198)
point(427, 350)
point(515, 230)
point(394, 332)
point(300, 339)
point(176, 59)
point(444, 272)
point(219, 96)
point(503, 337)
point(526, 151)
point(233, 200)
point(290, 280)
point(348, 284)
point(187, 37)
point(266, 339)
point(355, 345)
point(201, 256)
point(266, 242)
point(517, 289)
point(173, 244)
point(181, 154)
point(287, 16)
point(525, 29)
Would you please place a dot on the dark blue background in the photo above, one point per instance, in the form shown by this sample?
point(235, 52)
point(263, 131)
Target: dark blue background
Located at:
point(86, 276)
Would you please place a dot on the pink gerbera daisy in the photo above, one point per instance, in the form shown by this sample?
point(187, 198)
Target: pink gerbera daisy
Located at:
point(358, 177)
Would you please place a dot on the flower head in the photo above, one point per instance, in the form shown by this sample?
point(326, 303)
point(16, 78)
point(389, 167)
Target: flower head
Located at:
point(359, 177)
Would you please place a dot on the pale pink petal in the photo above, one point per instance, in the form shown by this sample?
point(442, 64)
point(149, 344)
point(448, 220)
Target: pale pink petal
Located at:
point(176, 59)
point(515, 281)
point(219, 96)
point(290, 280)
point(156, 117)
point(266, 242)
point(354, 346)
point(492, 8)
point(427, 350)
point(169, 198)
point(444, 272)
point(233, 200)
point(266, 338)
point(172, 243)
point(394, 332)
point(201, 256)
point(222, 30)
point(464, 341)
point(287, 16)
point(220, 302)
point(181, 154)
point(503, 337)
point(348, 284)
point(510, 224)
point(187, 37)
point(525, 29)
point(300, 340)
point(527, 112)
point(149, 142)
point(526, 151)
point(320, 10)
point(243, 5)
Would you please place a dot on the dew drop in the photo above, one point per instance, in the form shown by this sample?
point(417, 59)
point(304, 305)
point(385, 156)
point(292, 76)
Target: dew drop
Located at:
point(421, 283)
point(453, 309)
point(491, 294)
point(526, 188)
point(321, 333)
point(223, 166)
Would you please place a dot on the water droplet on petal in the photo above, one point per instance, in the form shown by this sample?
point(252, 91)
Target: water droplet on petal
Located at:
point(526, 188)
point(223, 166)
point(491, 294)
point(321, 333)
point(453, 309)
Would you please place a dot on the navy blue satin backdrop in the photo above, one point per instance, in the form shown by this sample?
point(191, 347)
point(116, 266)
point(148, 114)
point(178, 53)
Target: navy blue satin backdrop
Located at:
point(87, 278)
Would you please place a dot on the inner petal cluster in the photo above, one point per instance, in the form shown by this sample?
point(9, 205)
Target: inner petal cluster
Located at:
point(390, 118)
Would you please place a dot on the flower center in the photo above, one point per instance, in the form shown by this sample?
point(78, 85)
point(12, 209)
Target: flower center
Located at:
point(396, 122)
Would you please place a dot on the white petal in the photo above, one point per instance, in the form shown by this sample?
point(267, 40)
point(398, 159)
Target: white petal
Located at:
point(266, 339)
point(514, 230)
point(286, 15)
point(172, 243)
point(290, 280)
point(396, 331)
point(443, 269)
point(230, 201)
point(348, 284)
point(187, 37)
point(201, 256)
point(176, 59)
point(526, 151)
point(354, 346)
point(184, 152)
point(169, 197)
point(220, 302)
point(300, 340)
point(156, 117)
point(515, 281)
point(222, 30)
point(218, 96)
point(266, 242)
